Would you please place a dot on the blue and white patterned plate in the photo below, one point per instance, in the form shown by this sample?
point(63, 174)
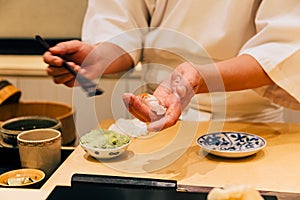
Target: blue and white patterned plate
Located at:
point(231, 144)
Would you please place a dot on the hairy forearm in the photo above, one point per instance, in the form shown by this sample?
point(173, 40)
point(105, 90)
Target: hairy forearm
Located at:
point(239, 73)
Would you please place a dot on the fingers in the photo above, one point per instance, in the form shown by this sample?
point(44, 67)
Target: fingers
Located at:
point(190, 77)
point(61, 75)
point(171, 117)
point(142, 111)
point(176, 92)
point(53, 58)
point(65, 48)
point(136, 107)
point(70, 50)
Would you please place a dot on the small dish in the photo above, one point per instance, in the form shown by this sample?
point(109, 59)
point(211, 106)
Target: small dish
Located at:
point(99, 153)
point(13, 178)
point(231, 144)
point(104, 144)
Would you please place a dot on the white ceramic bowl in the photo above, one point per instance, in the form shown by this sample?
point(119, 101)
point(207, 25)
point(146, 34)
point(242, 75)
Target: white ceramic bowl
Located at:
point(103, 153)
point(100, 153)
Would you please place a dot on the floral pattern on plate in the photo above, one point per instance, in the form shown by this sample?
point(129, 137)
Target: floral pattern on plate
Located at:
point(231, 144)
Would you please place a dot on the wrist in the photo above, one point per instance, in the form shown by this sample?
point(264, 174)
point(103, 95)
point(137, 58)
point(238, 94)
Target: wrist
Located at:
point(193, 79)
point(209, 79)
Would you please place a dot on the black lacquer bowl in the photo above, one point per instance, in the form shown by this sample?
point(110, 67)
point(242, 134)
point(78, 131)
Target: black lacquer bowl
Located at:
point(10, 129)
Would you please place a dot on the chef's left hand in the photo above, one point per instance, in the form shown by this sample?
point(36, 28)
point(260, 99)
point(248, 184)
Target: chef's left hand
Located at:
point(174, 94)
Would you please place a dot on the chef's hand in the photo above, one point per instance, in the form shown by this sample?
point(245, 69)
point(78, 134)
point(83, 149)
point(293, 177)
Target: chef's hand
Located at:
point(74, 52)
point(91, 61)
point(174, 94)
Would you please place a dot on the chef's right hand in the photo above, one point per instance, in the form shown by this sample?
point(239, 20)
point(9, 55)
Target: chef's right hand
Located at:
point(74, 52)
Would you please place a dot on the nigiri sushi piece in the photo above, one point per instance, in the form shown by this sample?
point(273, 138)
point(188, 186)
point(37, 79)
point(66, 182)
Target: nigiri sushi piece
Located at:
point(153, 103)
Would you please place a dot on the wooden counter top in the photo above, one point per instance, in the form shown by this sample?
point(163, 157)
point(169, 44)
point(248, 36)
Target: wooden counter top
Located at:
point(174, 154)
point(33, 65)
point(22, 65)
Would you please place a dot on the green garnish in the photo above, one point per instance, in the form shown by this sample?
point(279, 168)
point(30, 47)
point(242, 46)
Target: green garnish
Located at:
point(105, 139)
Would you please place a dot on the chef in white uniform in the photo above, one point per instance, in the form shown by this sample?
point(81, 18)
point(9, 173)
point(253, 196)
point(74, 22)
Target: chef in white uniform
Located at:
point(251, 46)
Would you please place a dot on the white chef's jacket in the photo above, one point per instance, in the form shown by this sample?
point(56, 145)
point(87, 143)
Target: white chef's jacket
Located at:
point(163, 33)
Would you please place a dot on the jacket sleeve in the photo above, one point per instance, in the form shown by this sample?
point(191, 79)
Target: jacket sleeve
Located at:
point(276, 46)
point(117, 21)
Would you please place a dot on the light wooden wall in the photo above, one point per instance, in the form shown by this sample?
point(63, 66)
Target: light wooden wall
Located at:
point(50, 18)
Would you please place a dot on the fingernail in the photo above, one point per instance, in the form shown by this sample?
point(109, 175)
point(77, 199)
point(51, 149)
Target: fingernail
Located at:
point(176, 79)
point(181, 90)
point(57, 62)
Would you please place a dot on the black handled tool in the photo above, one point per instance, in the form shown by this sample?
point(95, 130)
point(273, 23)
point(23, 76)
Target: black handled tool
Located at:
point(87, 85)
